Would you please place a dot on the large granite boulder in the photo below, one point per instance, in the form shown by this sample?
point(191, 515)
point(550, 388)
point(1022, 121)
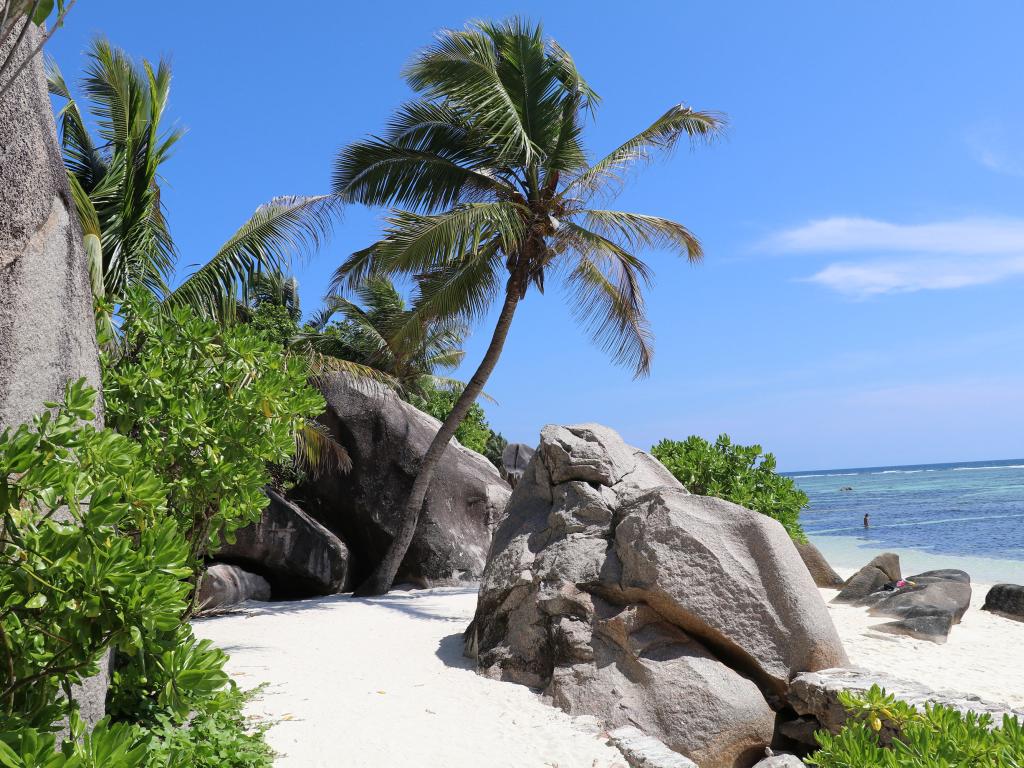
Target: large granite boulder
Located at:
point(625, 597)
point(822, 573)
point(293, 551)
point(387, 439)
point(514, 459)
point(816, 695)
point(47, 327)
point(927, 607)
point(1006, 600)
point(225, 585)
point(883, 569)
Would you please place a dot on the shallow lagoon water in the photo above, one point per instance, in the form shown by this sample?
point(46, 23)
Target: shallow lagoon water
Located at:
point(960, 515)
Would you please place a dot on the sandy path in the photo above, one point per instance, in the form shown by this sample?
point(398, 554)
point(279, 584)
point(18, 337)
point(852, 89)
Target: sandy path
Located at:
point(981, 655)
point(382, 683)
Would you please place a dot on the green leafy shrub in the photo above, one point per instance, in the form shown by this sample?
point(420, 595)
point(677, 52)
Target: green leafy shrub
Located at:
point(211, 407)
point(89, 559)
point(219, 736)
point(938, 737)
point(108, 745)
point(736, 473)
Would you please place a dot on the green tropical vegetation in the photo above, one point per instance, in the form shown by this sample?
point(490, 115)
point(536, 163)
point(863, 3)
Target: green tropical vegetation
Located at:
point(212, 407)
point(492, 191)
point(937, 736)
point(741, 474)
point(93, 562)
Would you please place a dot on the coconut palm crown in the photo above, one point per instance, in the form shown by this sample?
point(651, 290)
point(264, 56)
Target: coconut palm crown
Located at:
point(493, 193)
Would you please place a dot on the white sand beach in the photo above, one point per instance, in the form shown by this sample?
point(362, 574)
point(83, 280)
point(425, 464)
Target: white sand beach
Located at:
point(979, 657)
point(382, 683)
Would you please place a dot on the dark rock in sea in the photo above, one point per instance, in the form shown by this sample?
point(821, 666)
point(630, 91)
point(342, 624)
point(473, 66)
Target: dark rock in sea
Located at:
point(1006, 600)
point(514, 459)
point(387, 439)
point(881, 570)
point(624, 597)
point(818, 566)
point(293, 551)
point(816, 694)
point(225, 585)
point(929, 608)
point(846, 488)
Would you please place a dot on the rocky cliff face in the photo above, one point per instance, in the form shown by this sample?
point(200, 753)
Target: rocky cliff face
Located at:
point(625, 597)
point(47, 332)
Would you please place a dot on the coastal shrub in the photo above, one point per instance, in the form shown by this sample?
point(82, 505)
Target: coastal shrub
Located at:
point(89, 559)
point(217, 736)
point(938, 736)
point(108, 745)
point(212, 407)
point(737, 473)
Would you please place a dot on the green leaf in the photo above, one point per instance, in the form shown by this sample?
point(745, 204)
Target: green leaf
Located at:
point(38, 600)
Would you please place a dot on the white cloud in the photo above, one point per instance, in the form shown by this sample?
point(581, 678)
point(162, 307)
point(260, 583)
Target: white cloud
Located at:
point(963, 236)
point(996, 148)
point(909, 275)
point(933, 256)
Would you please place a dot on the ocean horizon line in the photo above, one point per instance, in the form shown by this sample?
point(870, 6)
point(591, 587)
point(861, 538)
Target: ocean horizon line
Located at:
point(1013, 463)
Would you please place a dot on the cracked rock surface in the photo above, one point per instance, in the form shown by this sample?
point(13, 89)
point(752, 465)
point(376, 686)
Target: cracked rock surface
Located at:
point(623, 596)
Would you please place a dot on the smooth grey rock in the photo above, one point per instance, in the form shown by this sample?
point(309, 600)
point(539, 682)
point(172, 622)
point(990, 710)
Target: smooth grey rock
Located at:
point(623, 596)
point(47, 328)
point(643, 751)
point(817, 694)
point(934, 628)
point(225, 585)
point(869, 579)
point(730, 576)
point(817, 565)
point(387, 438)
point(889, 564)
point(1006, 600)
point(781, 761)
point(514, 460)
point(928, 609)
point(297, 554)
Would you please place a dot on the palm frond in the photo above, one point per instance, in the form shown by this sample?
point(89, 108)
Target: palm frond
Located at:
point(416, 243)
point(661, 135)
point(317, 452)
point(265, 243)
point(606, 286)
point(461, 68)
point(638, 230)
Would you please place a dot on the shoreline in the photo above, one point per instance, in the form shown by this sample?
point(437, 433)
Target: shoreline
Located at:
point(849, 553)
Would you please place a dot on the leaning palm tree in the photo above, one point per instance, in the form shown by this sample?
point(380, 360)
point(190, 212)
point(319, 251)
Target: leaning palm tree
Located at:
point(492, 193)
point(115, 181)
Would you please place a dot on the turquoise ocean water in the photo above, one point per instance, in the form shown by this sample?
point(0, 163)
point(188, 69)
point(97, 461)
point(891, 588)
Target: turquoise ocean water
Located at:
point(966, 515)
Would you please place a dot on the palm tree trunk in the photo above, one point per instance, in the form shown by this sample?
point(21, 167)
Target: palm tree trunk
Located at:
point(383, 576)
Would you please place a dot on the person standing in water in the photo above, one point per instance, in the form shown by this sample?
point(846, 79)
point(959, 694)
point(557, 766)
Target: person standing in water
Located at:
point(867, 520)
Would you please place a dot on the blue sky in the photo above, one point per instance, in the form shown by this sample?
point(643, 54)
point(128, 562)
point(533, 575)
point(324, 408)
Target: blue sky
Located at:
point(860, 299)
